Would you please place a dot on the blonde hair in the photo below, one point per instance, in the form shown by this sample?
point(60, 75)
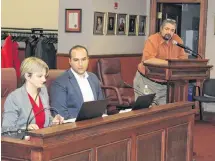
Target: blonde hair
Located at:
point(31, 65)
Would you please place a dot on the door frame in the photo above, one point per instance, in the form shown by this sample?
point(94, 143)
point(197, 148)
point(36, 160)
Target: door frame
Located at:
point(202, 22)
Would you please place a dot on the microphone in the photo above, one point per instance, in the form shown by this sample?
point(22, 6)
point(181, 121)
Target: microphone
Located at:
point(14, 133)
point(186, 48)
point(30, 120)
point(130, 86)
point(50, 108)
point(137, 91)
point(180, 45)
point(29, 115)
point(21, 133)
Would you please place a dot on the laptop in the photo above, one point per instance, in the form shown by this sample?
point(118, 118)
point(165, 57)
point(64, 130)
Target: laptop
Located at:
point(92, 109)
point(143, 101)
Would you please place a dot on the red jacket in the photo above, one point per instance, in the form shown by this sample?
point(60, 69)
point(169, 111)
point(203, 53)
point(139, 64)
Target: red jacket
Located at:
point(6, 53)
point(9, 55)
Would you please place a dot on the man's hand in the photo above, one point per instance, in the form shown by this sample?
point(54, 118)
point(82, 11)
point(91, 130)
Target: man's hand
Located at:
point(58, 119)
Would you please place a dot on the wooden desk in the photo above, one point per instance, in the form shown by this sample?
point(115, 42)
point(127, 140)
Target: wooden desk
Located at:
point(162, 133)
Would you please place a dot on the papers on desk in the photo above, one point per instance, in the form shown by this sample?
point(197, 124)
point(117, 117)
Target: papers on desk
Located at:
point(126, 110)
point(104, 115)
point(73, 119)
point(69, 120)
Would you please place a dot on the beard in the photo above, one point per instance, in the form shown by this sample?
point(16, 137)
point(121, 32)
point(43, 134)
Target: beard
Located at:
point(167, 37)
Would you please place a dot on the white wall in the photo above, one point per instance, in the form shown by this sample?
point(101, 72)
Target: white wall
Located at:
point(101, 44)
point(65, 39)
point(210, 37)
point(30, 13)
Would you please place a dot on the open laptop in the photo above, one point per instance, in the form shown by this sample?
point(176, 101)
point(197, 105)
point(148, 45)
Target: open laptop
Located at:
point(92, 109)
point(143, 101)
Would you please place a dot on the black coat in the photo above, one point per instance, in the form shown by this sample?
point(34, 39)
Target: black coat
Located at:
point(39, 48)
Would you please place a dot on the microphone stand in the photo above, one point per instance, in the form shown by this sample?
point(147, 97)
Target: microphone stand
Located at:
point(51, 109)
point(194, 53)
point(139, 92)
point(27, 123)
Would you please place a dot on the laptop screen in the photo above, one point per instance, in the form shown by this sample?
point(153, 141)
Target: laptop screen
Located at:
point(92, 109)
point(143, 101)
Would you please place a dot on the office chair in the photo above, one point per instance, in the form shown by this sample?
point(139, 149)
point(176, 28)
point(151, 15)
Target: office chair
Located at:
point(115, 90)
point(207, 95)
point(53, 74)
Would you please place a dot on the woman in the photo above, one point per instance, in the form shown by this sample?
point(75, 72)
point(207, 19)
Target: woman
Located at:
point(27, 108)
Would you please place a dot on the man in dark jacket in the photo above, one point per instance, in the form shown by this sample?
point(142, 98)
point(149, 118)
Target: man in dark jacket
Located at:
point(75, 86)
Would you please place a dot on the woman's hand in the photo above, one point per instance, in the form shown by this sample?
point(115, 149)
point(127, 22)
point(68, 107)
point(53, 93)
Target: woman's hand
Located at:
point(33, 127)
point(58, 119)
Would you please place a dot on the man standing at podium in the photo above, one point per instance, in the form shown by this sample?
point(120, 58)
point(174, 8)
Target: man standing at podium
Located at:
point(159, 47)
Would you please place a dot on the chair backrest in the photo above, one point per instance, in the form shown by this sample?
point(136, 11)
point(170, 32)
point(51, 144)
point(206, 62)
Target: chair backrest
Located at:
point(8, 84)
point(109, 73)
point(209, 87)
point(53, 74)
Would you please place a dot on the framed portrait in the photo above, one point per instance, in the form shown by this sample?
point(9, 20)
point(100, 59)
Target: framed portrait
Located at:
point(132, 25)
point(121, 26)
point(99, 19)
point(111, 23)
point(141, 25)
point(73, 20)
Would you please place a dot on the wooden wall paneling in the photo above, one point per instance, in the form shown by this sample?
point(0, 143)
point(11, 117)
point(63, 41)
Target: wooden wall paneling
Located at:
point(85, 155)
point(176, 144)
point(21, 54)
point(117, 151)
point(150, 144)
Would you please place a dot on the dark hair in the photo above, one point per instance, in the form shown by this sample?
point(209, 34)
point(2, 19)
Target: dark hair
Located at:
point(77, 47)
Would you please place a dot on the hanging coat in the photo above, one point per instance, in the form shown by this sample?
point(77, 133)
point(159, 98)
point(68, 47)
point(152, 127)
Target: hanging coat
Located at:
point(6, 53)
point(46, 52)
point(10, 55)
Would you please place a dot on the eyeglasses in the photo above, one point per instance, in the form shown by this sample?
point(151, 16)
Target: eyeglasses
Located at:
point(171, 20)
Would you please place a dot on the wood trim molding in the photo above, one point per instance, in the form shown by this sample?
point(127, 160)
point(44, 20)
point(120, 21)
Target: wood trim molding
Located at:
point(202, 23)
point(202, 27)
point(153, 16)
point(104, 56)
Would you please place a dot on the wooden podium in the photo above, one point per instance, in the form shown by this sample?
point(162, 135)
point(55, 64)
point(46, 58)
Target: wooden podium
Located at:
point(177, 73)
point(160, 133)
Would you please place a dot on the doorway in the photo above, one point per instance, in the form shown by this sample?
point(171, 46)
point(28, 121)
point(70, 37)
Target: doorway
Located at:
point(187, 17)
point(190, 16)
point(169, 11)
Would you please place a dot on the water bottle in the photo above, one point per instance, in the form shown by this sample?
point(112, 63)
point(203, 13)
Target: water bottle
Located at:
point(146, 90)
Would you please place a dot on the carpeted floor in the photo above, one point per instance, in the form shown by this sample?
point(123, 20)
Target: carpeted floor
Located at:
point(204, 141)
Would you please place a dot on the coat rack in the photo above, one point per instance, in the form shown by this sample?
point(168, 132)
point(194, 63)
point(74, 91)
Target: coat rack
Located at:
point(22, 34)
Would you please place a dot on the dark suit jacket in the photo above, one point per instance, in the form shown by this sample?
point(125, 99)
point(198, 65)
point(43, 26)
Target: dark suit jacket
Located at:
point(66, 94)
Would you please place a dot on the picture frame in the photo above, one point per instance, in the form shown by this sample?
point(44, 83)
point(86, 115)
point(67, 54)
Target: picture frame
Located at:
point(73, 20)
point(110, 23)
point(121, 24)
point(99, 19)
point(141, 25)
point(132, 25)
